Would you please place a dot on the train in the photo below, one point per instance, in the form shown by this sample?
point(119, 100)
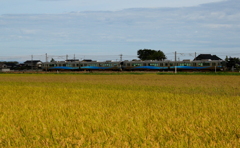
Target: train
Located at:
point(133, 65)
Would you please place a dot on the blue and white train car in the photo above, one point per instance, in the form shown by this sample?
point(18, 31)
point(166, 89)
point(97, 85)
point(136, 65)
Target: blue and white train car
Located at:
point(135, 65)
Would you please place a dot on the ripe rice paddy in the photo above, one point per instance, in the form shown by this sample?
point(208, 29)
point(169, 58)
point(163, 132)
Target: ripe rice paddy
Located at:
point(148, 110)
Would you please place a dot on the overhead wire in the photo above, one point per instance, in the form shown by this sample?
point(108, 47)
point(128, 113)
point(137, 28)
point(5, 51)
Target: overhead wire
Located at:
point(169, 55)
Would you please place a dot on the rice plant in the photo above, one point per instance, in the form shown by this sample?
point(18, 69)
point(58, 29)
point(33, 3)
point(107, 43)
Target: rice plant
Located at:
point(119, 110)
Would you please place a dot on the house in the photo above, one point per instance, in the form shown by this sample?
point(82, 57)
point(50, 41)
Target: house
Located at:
point(4, 68)
point(11, 65)
point(34, 64)
point(207, 57)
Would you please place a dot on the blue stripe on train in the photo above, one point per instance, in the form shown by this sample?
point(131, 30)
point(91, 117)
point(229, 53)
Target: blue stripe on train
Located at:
point(189, 67)
point(150, 67)
point(64, 68)
point(193, 67)
point(95, 67)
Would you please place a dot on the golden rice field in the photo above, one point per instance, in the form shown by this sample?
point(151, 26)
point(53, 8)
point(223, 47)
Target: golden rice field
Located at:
point(66, 110)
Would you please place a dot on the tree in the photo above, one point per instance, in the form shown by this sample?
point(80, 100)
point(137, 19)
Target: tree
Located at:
point(233, 63)
point(149, 54)
point(52, 60)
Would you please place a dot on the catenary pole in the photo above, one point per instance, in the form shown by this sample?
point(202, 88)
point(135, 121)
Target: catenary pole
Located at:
point(121, 57)
point(175, 62)
point(46, 58)
point(32, 61)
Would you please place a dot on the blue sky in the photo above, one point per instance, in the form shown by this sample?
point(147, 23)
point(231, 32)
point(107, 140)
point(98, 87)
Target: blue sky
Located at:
point(104, 29)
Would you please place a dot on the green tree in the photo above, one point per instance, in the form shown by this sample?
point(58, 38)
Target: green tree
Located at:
point(233, 63)
point(52, 60)
point(149, 54)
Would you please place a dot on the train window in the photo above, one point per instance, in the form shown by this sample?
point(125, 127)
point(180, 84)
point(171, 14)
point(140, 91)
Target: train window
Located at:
point(206, 64)
point(51, 64)
point(144, 64)
point(213, 64)
point(128, 64)
point(136, 64)
point(194, 64)
point(171, 64)
point(77, 65)
point(200, 64)
point(185, 64)
point(166, 64)
point(161, 64)
point(92, 64)
point(153, 64)
point(107, 65)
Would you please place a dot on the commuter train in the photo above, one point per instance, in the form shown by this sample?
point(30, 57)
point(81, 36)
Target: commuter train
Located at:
point(134, 65)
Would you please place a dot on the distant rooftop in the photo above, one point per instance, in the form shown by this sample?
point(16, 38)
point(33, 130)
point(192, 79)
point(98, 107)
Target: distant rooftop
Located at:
point(72, 60)
point(207, 57)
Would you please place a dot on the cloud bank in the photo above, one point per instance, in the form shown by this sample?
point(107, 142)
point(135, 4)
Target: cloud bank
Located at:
point(209, 28)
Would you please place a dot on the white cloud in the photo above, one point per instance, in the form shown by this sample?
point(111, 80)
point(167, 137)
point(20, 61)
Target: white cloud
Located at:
point(201, 28)
point(28, 31)
point(218, 26)
point(61, 6)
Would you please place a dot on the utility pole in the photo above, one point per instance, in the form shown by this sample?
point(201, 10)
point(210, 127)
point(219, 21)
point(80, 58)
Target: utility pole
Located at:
point(46, 58)
point(175, 62)
point(120, 57)
point(32, 61)
point(74, 57)
point(121, 61)
point(46, 64)
point(66, 57)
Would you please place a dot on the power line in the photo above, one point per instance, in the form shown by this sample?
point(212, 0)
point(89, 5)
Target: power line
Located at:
point(170, 55)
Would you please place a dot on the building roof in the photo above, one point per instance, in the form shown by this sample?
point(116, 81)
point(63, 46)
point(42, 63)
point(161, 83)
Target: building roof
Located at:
point(72, 60)
point(207, 57)
point(32, 61)
point(11, 64)
point(3, 65)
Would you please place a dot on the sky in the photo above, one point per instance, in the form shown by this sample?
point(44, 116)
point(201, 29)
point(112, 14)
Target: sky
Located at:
point(104, 29)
